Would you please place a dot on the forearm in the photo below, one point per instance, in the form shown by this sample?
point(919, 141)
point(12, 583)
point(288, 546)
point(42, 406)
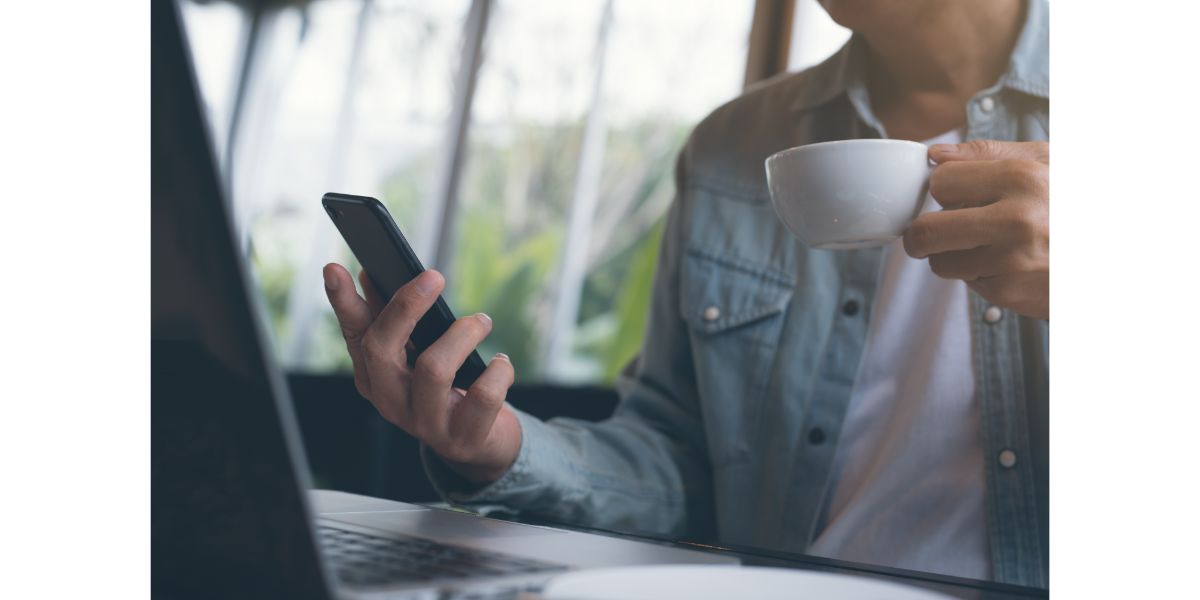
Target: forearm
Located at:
point(621, 473)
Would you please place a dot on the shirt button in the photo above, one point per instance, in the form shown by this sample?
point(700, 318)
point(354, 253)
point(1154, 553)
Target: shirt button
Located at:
point(850, 308)
point(816, 435)
point(712, 313)
point(987, 104)
point(1007, 458)
point(993, 314)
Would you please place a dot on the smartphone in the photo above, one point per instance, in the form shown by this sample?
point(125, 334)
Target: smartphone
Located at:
point(390, 263)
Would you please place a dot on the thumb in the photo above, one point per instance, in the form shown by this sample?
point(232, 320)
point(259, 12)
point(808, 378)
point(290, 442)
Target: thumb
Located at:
point(991, 150)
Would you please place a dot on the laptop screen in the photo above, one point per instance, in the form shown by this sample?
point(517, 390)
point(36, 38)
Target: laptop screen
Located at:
point(228, 516)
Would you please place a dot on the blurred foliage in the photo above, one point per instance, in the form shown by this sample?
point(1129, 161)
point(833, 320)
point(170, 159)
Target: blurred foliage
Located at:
point(516, 193)
point(632, 308)
point(404, 191)
point(275, 282)
point(504, 282)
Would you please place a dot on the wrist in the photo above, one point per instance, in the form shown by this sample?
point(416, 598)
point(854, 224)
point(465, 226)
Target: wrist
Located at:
point(502, 449)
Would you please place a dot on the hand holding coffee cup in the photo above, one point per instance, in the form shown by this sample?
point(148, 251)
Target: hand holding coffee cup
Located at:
point(993, 230)
point(994, 227)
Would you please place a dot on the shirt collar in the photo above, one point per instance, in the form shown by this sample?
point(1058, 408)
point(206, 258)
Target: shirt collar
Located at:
point(845, 71)
point(1029, 65)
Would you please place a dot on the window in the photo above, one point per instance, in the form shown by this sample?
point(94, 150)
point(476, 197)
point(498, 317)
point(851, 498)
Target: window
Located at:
point(581, 109)
point(534, 172)
point(815, 36)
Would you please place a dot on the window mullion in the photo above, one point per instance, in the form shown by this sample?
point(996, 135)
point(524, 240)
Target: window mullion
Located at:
point(576, 244)
point(438, 226)
point(251, 48)
point(770, 37)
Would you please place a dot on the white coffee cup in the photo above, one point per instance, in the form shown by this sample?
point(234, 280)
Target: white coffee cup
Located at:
point(849, 193)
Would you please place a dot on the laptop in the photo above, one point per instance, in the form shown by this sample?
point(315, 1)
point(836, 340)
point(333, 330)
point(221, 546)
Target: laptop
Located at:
point(232, 512)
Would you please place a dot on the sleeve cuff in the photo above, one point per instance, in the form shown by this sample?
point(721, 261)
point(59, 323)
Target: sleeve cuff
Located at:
point(520, 478)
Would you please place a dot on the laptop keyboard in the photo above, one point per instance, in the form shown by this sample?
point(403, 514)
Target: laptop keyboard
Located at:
point(366, 560)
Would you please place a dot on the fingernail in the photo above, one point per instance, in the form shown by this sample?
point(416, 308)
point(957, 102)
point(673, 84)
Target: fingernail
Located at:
point(944, 148)
point(483, 317)
point(330, 281)
point(504, 357)
point(424, 283)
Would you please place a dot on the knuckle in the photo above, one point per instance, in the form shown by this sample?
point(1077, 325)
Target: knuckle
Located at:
point(350, 335)
point(983, 147)
point(472, 326)
point(486, 393)
point(429, 367)
point(940, 266)
point(1021, 262)
point(405, 301)
point(372, 346)
point(1041, 151)
point(937, 180)
point(1023, 223)
point(1028, 175)
point(1008, 262)
point(1030, 259)
point(919, 238)
point(1028, 222)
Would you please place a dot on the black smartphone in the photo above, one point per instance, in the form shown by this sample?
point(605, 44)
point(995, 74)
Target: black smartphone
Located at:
point(390, 262)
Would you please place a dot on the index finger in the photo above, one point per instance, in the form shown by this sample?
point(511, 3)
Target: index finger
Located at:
point(966, 184)
point(946, 230)
point(390, 332)
point(990, 150)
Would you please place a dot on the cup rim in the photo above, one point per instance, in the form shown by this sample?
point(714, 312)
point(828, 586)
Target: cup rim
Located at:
point(819, 145)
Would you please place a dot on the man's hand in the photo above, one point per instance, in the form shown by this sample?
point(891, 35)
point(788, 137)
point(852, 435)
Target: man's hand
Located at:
point(995, 230)
point(472, 430)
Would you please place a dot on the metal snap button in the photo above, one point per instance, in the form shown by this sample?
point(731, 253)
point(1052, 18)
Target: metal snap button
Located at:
point(712, 313)
point(850, 308)
point(816, 435)
point(992, 315)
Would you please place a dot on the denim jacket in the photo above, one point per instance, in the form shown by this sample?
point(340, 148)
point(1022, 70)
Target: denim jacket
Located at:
point(729, 420)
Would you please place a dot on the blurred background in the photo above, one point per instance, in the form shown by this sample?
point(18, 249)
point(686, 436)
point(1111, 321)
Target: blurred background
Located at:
point(525, 147)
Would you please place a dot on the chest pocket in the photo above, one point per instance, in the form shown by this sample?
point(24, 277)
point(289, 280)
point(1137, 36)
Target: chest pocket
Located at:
point(735, 312)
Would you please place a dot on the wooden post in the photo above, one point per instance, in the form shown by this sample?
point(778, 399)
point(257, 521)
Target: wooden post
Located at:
point(770, 39)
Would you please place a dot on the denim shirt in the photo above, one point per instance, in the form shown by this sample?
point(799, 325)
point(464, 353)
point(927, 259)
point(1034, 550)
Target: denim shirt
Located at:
point(729, 419)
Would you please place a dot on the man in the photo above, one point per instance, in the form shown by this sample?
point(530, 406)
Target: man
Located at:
point(885, 405)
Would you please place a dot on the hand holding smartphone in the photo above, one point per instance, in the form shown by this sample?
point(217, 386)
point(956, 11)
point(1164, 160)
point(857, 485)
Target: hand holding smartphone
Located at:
point(390, 263)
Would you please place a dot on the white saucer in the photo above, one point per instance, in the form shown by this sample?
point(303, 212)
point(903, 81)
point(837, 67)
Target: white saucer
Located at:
point(704, 582)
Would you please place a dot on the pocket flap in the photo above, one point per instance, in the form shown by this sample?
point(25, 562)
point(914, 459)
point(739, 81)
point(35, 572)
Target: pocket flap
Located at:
point(722, 292)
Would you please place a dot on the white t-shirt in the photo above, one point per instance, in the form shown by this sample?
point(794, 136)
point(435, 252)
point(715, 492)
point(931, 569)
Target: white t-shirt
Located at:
point(908, 482)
